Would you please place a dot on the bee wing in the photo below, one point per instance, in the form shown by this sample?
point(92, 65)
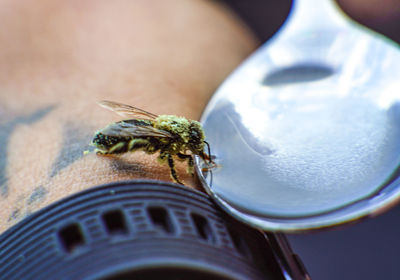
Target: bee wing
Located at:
point(127, 129)
point(126, 110)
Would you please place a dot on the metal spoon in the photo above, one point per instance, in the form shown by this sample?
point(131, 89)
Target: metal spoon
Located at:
point(306, 132)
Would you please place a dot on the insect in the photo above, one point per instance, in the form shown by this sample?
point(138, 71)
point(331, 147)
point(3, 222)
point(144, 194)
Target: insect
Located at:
point(171, 136)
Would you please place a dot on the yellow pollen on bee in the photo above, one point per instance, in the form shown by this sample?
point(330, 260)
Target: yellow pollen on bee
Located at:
point(116, 147)
point(131, 143)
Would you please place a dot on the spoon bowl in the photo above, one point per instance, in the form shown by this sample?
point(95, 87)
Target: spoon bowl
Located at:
point(306, 132)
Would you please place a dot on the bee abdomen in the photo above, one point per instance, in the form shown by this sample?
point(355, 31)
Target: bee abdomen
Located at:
point(137, 143)
point(110, 144)
point(103, 140)
point(129, 145)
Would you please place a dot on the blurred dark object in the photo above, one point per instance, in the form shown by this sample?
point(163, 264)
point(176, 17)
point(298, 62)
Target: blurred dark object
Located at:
point(368, 250)
point(138, 230)
point(383, 16)
point(265, 17)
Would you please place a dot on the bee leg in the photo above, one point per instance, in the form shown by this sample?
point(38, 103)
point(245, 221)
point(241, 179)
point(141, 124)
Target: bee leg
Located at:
point(190, 162)
point(208, 159)
point(102, 153)
point(162, 157)
point(173, 170)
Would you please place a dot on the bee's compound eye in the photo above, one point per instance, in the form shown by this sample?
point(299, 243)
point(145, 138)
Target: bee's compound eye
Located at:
point(194, 134)
point(194, 137)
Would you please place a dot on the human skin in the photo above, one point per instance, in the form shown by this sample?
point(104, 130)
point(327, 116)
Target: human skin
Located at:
point(58, 58)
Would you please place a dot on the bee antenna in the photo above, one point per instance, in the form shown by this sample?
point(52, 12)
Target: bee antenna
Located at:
point(209, 151)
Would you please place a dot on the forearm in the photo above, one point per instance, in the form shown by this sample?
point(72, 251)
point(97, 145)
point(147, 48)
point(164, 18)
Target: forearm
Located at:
point(166, 57)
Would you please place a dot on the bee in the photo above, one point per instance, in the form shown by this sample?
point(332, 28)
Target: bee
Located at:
point(170, 135)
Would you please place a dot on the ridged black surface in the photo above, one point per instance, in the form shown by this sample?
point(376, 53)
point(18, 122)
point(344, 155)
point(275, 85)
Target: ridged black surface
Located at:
point(136, 229)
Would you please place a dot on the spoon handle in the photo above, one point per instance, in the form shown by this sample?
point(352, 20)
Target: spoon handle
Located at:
point(310, 15)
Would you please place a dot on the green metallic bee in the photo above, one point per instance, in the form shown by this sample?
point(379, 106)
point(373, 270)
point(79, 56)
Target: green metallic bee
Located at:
point(167, 134)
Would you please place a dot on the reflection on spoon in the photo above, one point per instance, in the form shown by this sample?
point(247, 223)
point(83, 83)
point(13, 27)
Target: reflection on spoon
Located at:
point(308, 127)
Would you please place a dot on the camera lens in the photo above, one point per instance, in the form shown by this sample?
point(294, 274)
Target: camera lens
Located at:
point(134, 230)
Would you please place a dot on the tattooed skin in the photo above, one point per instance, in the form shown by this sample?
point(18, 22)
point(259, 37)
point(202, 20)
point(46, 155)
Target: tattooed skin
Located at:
point(37, 195)
point(26, 205)
point(28, 199)
point(6, 129)
point(75, 139)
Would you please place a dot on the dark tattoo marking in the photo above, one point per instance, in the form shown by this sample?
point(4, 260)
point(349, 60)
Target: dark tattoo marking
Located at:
point(18, 215)
point(25, 205)
point(75, 142)
point(37, 195)
point(14, 215)
point(6, 130)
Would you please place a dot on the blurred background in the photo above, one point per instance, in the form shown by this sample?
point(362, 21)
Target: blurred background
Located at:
point(265, 17)
point(369, 249)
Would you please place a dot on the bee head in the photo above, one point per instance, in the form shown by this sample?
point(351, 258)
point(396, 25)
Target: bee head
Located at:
point(196, 137)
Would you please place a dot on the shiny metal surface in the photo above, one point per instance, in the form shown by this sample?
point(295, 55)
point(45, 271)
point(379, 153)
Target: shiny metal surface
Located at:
point(306, 132)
